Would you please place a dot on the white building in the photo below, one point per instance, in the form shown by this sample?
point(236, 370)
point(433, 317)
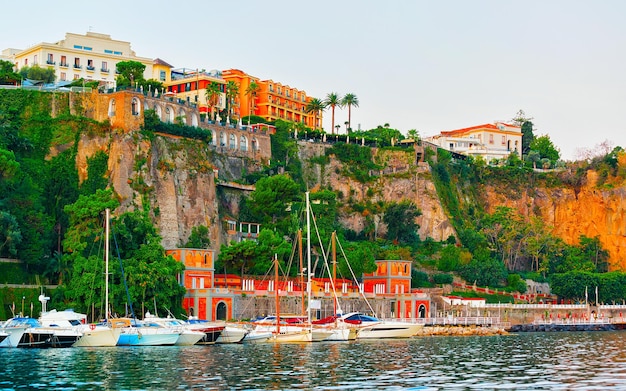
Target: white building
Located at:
point(92, 56)
point(491, 141)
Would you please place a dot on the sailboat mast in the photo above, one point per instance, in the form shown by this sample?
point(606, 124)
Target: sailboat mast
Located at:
point(106, 262)
point(301, 270)
point(308, 254)
point(334, 247)
point(276, 290)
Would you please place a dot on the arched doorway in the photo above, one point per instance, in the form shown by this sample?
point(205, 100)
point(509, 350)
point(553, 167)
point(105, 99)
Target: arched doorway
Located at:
point(421, 311)
point(220, 311)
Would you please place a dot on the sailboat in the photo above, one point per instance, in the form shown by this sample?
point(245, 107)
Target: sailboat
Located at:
point(101, 334)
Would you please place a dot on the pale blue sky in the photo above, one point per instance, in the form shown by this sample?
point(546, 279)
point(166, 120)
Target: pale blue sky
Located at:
point(424, 65)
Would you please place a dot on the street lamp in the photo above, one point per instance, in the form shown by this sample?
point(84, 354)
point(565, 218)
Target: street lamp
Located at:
point(23, 298)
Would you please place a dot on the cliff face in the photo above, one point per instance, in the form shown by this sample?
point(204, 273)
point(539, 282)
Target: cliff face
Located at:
point(173, 175)
point(571, 213)
point(403, 179)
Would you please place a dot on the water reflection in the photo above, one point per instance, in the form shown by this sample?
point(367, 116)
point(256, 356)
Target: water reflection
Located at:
point(556, 361)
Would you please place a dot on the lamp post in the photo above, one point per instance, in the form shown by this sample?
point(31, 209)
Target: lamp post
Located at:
point(23, 298)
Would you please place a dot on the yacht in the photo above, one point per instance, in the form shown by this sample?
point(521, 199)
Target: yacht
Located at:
point(371, 327)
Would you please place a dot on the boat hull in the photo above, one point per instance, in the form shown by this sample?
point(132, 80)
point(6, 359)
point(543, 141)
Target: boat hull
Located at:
point(388, 330)
point(100, 336)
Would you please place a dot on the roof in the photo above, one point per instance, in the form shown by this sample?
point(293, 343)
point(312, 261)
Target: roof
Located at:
point(477, 127)
point(158, 61)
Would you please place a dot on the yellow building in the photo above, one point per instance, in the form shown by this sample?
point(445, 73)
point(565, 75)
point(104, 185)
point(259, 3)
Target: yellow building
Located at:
point(92, 56)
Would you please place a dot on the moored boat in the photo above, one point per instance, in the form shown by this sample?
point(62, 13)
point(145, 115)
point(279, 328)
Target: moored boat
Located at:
point(374, 328)
point(134, 333)
point(187, 336)
point(211, 330)
point(27, 332)
point(93, 335)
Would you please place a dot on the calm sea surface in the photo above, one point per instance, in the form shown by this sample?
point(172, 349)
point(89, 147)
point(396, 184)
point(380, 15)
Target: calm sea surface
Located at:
point(533, 361)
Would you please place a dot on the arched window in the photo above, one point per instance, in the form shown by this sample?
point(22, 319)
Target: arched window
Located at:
point(232, 141)
point(169, 115)
point(194, 120)
point(255, 145)
point(222, 139)
point(421, 312)
point(112, 108)
point(243, 143)
point(135, 106)
point(158, 111)
point(213, 137)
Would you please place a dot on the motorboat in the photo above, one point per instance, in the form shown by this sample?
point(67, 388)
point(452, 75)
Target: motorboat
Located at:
point(232, 334)
point(211, 330)
point(187, 336)
point(25, 332)
point(3, 336)
point(371, 327)
point(340, 330)
point(135, 333)
point(93, 335)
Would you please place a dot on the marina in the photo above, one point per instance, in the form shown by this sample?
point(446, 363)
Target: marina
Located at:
point(538, 361)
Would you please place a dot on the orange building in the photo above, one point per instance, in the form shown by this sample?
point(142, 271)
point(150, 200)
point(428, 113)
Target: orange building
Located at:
point(272, 100)
point(201, 299)
point(191, 85)
point(393, 278)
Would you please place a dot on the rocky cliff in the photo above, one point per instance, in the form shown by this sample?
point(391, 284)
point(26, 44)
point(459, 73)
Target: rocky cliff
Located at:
point(571, 212)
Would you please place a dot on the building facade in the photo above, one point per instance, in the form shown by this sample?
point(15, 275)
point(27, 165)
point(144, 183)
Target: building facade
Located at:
point(272, 100)
point(191, 86)
point(490, 141)
point(92, 56)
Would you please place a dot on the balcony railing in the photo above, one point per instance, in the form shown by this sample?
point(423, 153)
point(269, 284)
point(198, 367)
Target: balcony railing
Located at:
point(63, 64)
point(76, 66)
point(50, 62)
point(104, 70)
point(90, 68)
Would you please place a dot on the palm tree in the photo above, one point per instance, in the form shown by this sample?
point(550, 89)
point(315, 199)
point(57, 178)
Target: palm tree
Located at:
point(232, 92)
point(350, 100)
point(333, 101)
point(251, 91)
point(212, 95)
point(314, 106)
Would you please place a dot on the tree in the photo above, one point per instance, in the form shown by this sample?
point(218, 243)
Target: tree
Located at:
point(315, 106)
point(238, 256)
point(543, 145)
point(591, 249)
point(270, 200)
point(526, 124)
point(130, 73)
point(199, 238)
point(400, 221)
point(7, 73)
point(37, 73)
point(332, 100)
point(251, 92)
point(232, 92)
point(350, 100)
point(212, 94)
point(534, 157)
point(10, 235)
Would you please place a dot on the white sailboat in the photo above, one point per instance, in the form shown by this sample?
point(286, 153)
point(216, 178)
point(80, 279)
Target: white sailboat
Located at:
point(101, 334)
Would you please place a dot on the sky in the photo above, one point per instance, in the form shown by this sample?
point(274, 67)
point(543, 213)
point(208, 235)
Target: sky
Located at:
point(431, 66)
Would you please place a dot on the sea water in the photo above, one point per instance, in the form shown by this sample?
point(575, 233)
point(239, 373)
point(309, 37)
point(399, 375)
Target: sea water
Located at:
point(530, 361)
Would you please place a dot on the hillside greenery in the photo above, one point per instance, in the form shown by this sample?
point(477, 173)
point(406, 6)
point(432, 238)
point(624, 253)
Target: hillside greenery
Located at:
point(53, 222)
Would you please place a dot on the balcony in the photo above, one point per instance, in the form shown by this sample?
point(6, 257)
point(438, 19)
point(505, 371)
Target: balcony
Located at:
point(76, 66)
point(103, 70)
point(50, 62)
point(90, 68)
point(63, 65)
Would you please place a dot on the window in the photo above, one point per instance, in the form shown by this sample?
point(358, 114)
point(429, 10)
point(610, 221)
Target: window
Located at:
point(86, 48)
point(162, 76)
point(105, 66)
point(50, 59)
point(503, 140)
point(35, 60)
point(78, 47)
point(107, 51)
point(77, 62)
point(90, 65)
point(76, 77)
point(491, 139)
point(117, 53)
point(63, 61)
point(26, 62)
point(63, 76)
